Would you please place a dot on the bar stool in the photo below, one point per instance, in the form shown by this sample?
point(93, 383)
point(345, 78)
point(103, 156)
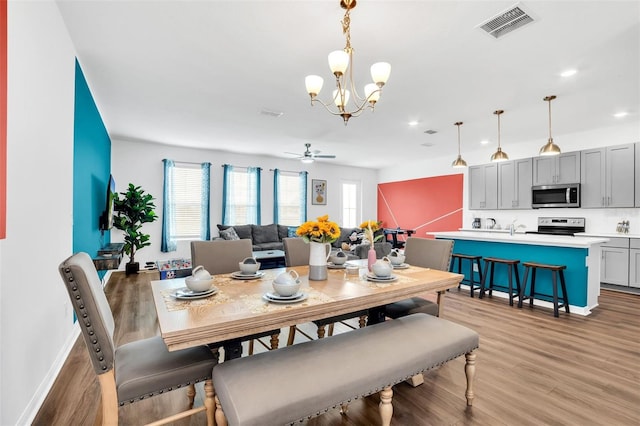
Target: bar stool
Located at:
point(471, 281)
point(512, 266)
point(555, 271)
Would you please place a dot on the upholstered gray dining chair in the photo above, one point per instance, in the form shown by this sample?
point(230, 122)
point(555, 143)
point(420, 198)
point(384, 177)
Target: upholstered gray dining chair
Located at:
point(136, 370)
point(223, 257)
point(427, 253)
point(296, 253)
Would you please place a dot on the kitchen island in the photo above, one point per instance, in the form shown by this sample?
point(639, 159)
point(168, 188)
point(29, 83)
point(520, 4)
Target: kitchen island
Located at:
point(581, 255)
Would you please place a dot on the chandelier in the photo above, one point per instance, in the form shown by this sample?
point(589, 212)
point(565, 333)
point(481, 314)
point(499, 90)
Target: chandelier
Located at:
point(549, 148)
point(341, 65)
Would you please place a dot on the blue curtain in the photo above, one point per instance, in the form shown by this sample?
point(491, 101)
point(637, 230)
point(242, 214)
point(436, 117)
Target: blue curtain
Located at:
point(168, 210)
point(205, 226)
point(303, 196)
point(227, 207)
point(276, 199)
point(254, 201)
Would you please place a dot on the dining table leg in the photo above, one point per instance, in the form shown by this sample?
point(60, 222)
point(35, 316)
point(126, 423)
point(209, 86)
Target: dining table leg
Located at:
point(232, 349)
point(376, 315)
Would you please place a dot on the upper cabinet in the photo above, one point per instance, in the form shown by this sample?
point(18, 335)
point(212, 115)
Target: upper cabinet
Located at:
point(483, 187)
point(638, 175)
point(514, 184)
point(563, 168)
point(607, 176)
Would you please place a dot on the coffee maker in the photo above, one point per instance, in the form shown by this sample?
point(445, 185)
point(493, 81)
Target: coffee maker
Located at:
point(477, 223)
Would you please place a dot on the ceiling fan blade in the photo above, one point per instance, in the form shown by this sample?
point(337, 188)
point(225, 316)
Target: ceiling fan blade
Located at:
point(293, 153)
point(324, 156)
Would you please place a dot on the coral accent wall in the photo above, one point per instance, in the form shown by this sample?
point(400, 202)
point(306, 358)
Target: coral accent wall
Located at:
point(3, 119)
point(424, 205)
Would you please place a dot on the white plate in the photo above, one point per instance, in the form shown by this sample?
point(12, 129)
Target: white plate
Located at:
point(185, 294)
point(334, 266)
point(401, 266)
point(377, 279)
point(240, 276)
point(302, 297)
point(275, 296)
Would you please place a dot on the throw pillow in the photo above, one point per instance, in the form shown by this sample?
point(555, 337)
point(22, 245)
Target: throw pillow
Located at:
point(291, 231)
point(265, 234)
point(229, 234)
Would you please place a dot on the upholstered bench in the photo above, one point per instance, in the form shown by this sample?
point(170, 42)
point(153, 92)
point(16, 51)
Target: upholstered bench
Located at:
point(292, 384)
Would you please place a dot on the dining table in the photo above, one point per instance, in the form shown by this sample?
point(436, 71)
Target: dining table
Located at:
point(240, 307)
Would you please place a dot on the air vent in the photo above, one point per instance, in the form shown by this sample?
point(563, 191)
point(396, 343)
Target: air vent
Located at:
point(431, 132)
point(511, 19)
point(270, 113)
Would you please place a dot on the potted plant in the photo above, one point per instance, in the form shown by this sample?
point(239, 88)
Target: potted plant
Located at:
point(133, 208)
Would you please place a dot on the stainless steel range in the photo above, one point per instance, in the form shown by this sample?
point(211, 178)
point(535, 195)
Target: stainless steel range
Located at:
point(559, 225)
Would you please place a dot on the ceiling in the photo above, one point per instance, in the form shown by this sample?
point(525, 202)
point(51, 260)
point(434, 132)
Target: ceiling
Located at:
point(209, 74)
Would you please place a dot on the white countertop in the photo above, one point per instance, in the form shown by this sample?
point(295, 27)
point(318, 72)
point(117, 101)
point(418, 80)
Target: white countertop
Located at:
point(607, 235)
point(522, 238)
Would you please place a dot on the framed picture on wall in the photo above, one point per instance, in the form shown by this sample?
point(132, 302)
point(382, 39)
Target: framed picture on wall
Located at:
point(318, 191)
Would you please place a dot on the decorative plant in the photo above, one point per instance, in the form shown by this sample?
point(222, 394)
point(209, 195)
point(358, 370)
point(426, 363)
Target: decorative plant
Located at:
point(132, 209)
point(320, 231)
point(369, 228)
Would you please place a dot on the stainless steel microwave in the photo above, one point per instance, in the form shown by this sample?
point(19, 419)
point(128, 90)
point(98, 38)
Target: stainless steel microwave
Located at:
point(558, 195)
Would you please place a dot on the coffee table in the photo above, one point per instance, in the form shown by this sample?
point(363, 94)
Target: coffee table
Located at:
point(270, 259)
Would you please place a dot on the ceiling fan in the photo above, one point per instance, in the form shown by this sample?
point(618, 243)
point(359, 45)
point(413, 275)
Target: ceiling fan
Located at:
point(309, 156)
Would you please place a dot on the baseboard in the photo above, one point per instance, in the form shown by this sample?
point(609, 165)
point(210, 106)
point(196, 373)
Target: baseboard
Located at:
point(32, 408)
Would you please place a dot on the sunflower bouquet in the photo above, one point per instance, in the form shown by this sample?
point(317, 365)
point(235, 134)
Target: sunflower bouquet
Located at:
point(320, 231)
point(369, 228)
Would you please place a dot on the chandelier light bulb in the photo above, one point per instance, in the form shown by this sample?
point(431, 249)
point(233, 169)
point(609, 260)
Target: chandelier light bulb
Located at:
point(314, 84)
point(380, 72)
point(372, 92)
point(340, 98)
point(338, 62)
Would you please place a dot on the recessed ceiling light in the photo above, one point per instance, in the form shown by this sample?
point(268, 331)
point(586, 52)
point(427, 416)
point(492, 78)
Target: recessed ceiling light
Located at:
point(621, 114)
point(413, 123)
point(568, 73)
point(484, 142)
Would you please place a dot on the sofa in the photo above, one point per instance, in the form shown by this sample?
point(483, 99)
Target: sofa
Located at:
point(263, 237)
point(269, 237)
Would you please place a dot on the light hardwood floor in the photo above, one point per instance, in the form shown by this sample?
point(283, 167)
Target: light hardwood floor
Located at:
point(532, 368)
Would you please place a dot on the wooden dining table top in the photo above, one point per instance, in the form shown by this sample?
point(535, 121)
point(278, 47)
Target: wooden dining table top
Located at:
point(238, 308)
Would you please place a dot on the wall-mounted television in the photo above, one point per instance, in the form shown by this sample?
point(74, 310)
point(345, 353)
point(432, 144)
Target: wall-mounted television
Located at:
point(106, 219)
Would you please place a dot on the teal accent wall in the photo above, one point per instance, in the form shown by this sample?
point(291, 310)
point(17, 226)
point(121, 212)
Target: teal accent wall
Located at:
point(91, 170)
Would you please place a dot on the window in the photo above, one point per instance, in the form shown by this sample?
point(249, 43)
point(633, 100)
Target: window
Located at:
point(290, 197)
point(350, 204)
point(185, 210)
point(241, 195)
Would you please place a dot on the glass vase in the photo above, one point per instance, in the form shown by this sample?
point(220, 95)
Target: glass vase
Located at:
point(371, 257)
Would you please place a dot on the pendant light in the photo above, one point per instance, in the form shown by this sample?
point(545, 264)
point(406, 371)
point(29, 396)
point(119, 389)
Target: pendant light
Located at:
point(459, 162)
point(550, 148)
point(499, 155)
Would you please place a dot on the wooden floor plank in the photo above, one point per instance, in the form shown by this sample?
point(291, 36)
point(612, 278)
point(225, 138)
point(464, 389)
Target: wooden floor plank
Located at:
point(532, 369)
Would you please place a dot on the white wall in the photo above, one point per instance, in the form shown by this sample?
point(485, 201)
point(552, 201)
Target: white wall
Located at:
point(598, 220)
point(141, 164)
point(36, 326)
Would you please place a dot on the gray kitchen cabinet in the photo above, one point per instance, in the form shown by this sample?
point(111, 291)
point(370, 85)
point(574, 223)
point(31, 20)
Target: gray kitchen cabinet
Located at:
point(637, 174)
point(614, 266)
point(563, 168)
point(483, 187)
point(514, 184)
point(634, 263)
point(607, 176)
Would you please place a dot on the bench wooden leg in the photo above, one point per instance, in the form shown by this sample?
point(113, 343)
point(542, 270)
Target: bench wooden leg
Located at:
point(292, 334)
point(209, 402)
point(416, 380)
point(470, 372)
point(386, 408)
point(321, 331)
point(220, 419)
